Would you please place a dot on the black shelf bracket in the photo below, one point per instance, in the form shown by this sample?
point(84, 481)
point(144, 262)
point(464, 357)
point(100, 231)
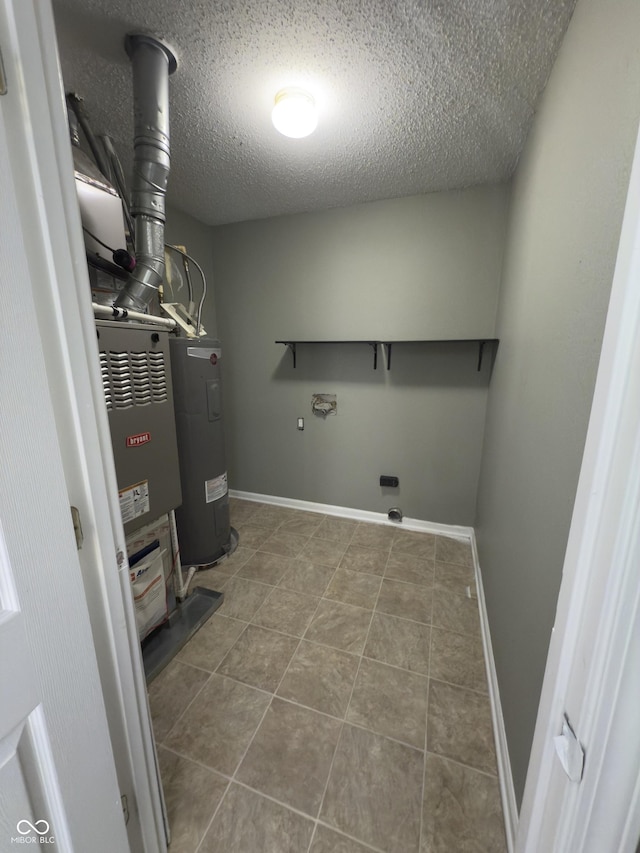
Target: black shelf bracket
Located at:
point(374, 346)
point(389, 347)
point(292, 347)
point(481, 345)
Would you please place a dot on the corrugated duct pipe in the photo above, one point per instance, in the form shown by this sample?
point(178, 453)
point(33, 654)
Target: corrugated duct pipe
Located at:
point(152, 62)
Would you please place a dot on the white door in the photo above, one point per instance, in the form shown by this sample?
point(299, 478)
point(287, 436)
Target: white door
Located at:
point(45, 304)
point(57, 774)
point(593, 666)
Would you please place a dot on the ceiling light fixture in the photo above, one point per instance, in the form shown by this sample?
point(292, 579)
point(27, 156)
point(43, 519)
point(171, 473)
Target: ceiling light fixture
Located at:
point(294, 113)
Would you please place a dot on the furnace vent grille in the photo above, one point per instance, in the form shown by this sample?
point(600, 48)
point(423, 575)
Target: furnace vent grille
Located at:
point(104, 372)
point(133, 378)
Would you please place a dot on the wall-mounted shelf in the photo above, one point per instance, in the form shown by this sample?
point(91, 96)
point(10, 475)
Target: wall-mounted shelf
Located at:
point(293, 345)
point(388, 346)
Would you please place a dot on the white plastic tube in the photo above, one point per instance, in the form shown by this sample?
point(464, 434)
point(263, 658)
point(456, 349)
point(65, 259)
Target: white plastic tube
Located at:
point(109, 312)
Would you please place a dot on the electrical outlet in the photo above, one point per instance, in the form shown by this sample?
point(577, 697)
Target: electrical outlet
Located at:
point(300, 423)
point(389, 480)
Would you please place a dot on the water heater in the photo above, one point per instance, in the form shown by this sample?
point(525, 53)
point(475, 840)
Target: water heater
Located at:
point(203, 518)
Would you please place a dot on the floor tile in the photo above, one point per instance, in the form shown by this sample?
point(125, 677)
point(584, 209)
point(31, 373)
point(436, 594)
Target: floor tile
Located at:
point(453, 551)
point(327, 841)
point(458, 579)
point(461, 810)
point(422, 545)
point(456, 613)
point(458, 659)
point(355, 588)
point(336, 529)
point(304, 525)
point(242, 511)
point(305, 515)
point(266, 568)
point(230, 565)
point(405, 567)
point(207, 648)
point(271, 516)
point(192, 794)
point(259, 658)
point(219, 724)
point(406, 600)
point(287, 611)
point(252, 535)
point(304, 576)
point(321, 678)
point(340, 626)
point(459, 726)
point(323, 551)
point(373, 536)
point(210, 579)
point(281, 747)
point(290, 757)
point(374, 791)
point(360, 559)
point(284, 544)
point(242, 598)
point(390, 701)
point(170, 694)
point(399, 642)
point(249, 823)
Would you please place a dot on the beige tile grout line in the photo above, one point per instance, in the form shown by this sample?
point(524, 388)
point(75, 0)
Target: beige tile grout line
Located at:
point(373, 611)
point(346, 713)
point(481, 693)
point(238, 765)
point(316, 711)
point(446, 758)
point(306, 817)
point(315, 823)
point(426, 719)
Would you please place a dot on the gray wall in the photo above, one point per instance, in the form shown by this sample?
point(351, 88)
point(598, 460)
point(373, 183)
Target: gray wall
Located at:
point(567, 206)
point(184, 230)
point(421, 267)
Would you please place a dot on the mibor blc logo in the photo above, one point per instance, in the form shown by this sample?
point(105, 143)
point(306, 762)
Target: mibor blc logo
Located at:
point(33, 833)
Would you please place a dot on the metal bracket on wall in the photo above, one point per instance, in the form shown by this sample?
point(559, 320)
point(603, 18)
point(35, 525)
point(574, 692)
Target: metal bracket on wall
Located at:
point(388, 346)
point(481, 345)
point(3, 78)
point(292, 347)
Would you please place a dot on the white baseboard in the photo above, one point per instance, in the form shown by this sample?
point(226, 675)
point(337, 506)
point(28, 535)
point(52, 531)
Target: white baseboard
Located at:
point(455, 531)
point(505, 777)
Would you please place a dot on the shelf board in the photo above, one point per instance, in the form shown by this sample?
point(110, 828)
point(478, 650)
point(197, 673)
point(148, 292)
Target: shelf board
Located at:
point(388, 345)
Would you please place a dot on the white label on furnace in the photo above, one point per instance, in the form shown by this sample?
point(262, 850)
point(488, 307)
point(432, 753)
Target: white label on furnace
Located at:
point(216, 488)
point(198, 352)
point(134, 501)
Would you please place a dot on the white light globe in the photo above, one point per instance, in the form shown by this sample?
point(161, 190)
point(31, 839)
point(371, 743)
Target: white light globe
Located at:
point(294, 113)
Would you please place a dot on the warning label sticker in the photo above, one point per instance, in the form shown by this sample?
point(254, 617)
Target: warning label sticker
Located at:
point(134, 501)
point(216, 488)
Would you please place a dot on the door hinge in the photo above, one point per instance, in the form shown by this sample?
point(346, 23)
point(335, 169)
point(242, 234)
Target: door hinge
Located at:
point(125, 808)
point(77, 526)
point(3, 77)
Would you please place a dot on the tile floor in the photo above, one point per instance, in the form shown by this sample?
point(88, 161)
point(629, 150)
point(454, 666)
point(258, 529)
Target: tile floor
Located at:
point(336, 702)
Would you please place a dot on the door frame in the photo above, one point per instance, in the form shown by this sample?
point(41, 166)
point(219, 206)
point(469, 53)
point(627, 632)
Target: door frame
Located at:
point(67, 329)
point(593, 665)
point(598, 596)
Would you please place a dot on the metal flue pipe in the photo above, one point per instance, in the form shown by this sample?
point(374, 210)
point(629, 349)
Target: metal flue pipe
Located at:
point(152, 62)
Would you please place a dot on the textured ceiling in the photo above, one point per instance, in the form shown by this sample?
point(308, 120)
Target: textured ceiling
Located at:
point(413, 96)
